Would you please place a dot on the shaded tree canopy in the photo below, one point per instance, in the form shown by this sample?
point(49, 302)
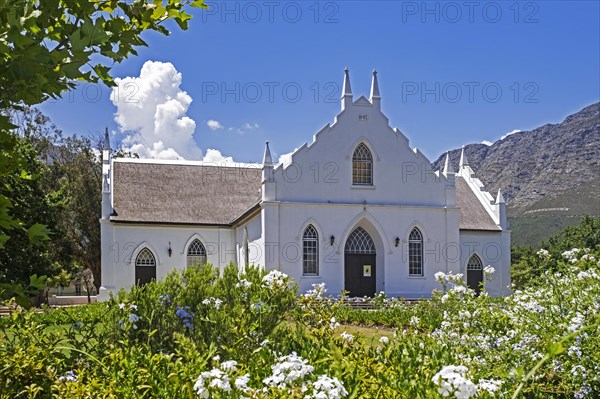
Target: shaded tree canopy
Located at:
point(46, 48)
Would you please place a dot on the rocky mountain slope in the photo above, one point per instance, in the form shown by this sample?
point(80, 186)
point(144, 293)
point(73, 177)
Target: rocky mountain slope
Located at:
point(550, 176)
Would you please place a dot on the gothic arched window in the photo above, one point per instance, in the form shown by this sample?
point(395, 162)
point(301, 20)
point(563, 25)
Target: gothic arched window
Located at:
point(145, 267)
point(360, 242)
point(196, 253)
point(415, 253)
point(362, 166)
point(310, 251)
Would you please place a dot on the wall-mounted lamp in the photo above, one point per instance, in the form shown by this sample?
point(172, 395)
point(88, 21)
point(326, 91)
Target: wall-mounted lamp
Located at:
point(331, 239)
point(397, 241)
point(170, 251)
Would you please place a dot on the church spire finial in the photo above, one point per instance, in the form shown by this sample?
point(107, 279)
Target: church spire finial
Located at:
point(447, 165)
point(106, 144)
point(267, 159)
point(374, 86)
point(500, 198)
point(463, 158)
point(346, 90)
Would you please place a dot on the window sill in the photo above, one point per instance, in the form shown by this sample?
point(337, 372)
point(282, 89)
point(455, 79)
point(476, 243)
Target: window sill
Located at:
point(417, 277)
point(361, 187)
point(311, 277)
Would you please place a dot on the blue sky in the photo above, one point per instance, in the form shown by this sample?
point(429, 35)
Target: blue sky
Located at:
point(450, 73)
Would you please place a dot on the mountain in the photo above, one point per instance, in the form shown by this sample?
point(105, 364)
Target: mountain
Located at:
point(550, 176)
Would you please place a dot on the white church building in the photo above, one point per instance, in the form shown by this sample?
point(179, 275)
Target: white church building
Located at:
point(356, 208)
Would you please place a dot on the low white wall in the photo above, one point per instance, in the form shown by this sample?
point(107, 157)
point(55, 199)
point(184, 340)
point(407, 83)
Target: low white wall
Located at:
point(69, 300)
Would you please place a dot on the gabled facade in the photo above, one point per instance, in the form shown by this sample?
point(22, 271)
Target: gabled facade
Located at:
point(357, 208)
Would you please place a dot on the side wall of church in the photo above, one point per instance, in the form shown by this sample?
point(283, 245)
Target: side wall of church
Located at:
point(119, 255)
point(493, 248)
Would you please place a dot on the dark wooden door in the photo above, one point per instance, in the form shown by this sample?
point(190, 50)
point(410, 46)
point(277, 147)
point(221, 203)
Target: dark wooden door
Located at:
point(360, 272)
point(474, 278)
point(144, 274)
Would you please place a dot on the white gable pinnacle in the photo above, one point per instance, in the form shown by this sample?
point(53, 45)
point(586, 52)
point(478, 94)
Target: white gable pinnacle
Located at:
point(346, 89)
point(447, 165)
point(463, 158)
point(374, 86)
point(500, 198)
point(267, 159)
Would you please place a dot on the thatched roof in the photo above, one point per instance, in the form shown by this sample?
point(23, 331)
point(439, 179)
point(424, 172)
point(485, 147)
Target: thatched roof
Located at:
point(183, 193)
point(473, 215)
point(146, 192)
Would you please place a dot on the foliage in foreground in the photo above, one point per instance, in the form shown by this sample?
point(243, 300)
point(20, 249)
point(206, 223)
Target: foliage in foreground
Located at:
point(527, 266)
point(198, 334)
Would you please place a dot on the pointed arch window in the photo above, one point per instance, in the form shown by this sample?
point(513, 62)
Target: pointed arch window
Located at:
point(415, 253)
point(362, 166)
point(310, 251)
point(475, 273)
point(475, 263)
point(145, 267)
point(196, 254)
point(360, 242)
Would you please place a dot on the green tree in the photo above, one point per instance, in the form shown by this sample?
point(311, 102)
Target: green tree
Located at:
point(47, 47)
point(32, 205)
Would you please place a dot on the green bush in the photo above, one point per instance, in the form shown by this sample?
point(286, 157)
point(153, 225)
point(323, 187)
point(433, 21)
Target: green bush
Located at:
point(199, 333)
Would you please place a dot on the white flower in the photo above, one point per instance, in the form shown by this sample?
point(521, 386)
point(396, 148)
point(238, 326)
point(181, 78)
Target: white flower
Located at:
point(317, 292)
point(453, 380)
point(542, 253)
point(243, 284)
point(490, 386)
point(274, 279)
point(133, 317)
point(440, 277)
point(216, 302)
point(121, 306)
point(333, 324)
point(241, 382)
point(328, 388)
point(579, 369)
point(228, 365)
point(384, 340)
point(464, 314)
point(576, 322)
point(347, 337)
point(214, 378)
point(489, 270)
point(288, 370)
point(459, 289)
point(414, 321)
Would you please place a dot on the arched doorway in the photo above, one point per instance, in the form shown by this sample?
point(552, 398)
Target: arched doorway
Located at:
point(145, 267)
point(475, 273)
point(360, 264)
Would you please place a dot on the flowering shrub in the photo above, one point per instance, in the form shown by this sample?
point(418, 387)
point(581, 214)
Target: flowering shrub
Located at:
point(201, 334)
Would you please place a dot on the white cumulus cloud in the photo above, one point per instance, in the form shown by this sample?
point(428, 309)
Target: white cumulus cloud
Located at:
point(213, 124)
point(215, 156)
point(509, 133)
point(151, 110)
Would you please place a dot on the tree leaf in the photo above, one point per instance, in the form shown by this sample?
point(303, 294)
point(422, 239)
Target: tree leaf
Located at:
point(38, 233)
